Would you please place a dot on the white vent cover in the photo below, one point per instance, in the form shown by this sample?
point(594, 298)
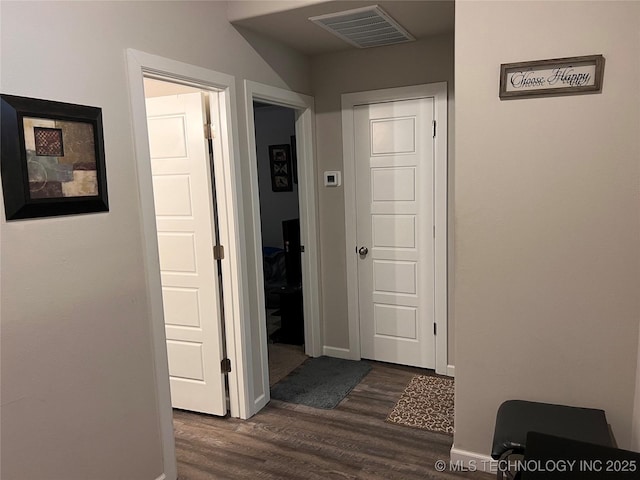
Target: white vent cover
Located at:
point(364, 27)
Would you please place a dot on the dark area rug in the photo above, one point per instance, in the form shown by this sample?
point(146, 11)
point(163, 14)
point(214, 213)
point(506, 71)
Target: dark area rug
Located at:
point(321, 382)
point(426, 403)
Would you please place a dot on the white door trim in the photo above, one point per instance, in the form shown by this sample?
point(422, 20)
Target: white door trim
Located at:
point(305, 128)
point(349, 100)
point(229, 191)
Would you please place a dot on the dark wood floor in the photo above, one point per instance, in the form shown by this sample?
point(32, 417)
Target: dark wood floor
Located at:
point(287, 441)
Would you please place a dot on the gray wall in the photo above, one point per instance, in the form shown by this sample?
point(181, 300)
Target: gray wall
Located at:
point(274, 126)
point(547, 217)
point(78, 394)
point(425, 61)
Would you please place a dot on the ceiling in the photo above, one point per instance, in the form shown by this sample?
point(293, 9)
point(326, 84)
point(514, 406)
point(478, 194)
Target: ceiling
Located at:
point(422, 18)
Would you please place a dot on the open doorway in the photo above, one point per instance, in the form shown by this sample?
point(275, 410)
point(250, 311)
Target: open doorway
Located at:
point(300, 107)
point(280, 232)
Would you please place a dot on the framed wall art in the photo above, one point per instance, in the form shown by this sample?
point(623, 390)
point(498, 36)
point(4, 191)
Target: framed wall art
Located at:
point(52, 158)
point(558, 76)
point(280, 161)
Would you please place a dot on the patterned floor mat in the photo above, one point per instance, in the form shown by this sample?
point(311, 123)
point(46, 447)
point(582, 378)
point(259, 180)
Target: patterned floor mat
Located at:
point(426, 403)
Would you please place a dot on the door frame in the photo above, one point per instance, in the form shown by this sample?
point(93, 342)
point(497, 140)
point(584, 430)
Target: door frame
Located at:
point(229, 194)
point(307, 197)
point(437, 91)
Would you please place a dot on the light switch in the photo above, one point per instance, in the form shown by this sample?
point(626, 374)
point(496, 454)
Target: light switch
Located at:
point(332, 179)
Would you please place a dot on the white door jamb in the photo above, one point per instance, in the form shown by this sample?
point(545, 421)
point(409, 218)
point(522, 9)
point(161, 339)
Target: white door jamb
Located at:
point(305, 128)
point(228, 187)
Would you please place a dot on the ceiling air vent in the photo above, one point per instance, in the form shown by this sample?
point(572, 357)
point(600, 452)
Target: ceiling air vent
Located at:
point(364, 27)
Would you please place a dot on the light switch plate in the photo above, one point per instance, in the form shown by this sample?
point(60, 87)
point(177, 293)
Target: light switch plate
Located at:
point(332, 179)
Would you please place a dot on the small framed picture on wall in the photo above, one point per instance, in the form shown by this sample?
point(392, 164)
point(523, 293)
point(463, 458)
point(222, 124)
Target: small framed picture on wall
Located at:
point(52, 158)
point(280, 161)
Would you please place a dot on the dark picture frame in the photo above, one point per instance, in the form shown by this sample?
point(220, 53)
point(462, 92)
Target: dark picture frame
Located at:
point(553, 77)
point(280, 162)
point(51, 158)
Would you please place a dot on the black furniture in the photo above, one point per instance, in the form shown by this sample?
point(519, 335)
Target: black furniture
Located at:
point(550, 457)
point(291, 315)
point(292, 251)
point(273, 262)
point(289, 292)
point(516, 418)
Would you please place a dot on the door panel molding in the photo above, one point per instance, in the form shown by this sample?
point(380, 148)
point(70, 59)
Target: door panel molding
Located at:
point(186, 217)
point(437, 91)
point(399, 182)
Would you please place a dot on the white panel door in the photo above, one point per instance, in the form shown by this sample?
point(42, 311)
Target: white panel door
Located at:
point(394, 152)
point(183, 196)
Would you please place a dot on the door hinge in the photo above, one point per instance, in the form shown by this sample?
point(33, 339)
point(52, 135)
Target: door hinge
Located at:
point(301, 248)
point(209, 133)
point(218, 252)
point(434, 129)
point(435, 328)
point(225, 365)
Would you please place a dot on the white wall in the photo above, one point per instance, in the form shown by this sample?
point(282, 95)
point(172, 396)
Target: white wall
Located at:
point(425, 61)
point(547, 217)
point(274, 126)
point(78, 394)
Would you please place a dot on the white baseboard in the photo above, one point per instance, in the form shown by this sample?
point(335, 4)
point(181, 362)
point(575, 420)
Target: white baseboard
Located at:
point(451, 370)
point(162, 477)
point(337, 352)
point(473, 461)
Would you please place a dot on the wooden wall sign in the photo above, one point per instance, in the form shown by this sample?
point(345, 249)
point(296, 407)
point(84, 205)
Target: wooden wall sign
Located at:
point(559, 76)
